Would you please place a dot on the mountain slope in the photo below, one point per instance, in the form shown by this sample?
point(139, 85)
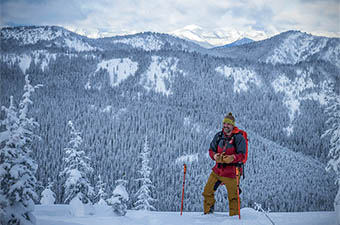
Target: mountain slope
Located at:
point(148, 41)
point(291, 47)
point(46, 36)
point(237, 43)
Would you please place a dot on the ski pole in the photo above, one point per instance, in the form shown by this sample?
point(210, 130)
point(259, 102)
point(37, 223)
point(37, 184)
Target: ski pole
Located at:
point(238, 191)
point(185, 170)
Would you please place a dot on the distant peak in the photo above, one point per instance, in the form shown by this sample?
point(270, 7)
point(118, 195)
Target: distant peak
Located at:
point(192, 27)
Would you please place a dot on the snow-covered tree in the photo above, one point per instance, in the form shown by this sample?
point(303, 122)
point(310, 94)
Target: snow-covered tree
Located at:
point(119, 198)
point(77, 170)
point(333, 111)
point(100, 190)
point(143, 195)
point(17, 169)
point(48, 196)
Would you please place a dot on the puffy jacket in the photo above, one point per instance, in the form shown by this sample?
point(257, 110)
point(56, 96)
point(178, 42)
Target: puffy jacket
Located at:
point(233, 145)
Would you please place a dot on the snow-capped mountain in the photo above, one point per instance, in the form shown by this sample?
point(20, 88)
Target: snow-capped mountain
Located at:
point(45, 35)
point(147, 41)
point(239, 42)
point(290, 47)
point(214, 37)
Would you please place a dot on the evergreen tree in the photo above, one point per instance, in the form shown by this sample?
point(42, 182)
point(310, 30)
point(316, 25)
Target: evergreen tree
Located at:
point(100, 190)
point(17, 169)
point(144, 199)
point(48, 196)
point(333, 110)
point(77, 170)
point(119, 198)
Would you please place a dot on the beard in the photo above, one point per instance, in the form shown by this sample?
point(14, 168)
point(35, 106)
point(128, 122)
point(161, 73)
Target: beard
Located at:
point(227, 130)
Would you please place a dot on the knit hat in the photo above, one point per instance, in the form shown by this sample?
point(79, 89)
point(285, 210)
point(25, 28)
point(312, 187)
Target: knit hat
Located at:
point(229, 119)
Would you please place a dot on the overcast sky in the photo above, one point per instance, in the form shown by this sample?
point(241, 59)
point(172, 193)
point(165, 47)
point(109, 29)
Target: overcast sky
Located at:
point(112, 17)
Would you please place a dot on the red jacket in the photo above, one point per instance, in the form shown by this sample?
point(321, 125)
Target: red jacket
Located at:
point(233, 145)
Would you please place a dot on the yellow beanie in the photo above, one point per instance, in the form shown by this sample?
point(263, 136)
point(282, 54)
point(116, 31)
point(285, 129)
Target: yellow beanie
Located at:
point(229, 119)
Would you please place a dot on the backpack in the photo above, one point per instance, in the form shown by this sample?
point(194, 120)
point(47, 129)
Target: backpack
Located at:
point(245, 135)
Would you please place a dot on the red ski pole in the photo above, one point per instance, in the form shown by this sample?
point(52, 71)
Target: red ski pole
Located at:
point(185, 170)
point(238, 191)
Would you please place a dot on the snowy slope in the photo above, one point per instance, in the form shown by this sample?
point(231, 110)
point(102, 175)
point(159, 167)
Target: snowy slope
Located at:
point(24, 60)
point(118, 69)
point(295, 48)
point(290, 47)
point(59, 215)
point(211, 38)
point(147, 43)
point(242, 77)
point(160, 74)
point(56, 36)
point(297, 90)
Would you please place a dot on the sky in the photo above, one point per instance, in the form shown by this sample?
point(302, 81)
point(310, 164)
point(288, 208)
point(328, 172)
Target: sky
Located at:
point(257, 19)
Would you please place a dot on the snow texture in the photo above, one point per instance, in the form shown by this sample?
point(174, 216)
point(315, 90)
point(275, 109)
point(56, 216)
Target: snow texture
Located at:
point(297, 90)
point(78, 208)
point(295, 48)
point(118, 69)
point(148, 43)
point(59, 215)
point(242, 77)
point(47, 197)
point(159, 75)
point(34, 35)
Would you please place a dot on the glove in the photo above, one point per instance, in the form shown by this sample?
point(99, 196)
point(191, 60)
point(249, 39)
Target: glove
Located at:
point(218, 157)
point(228, 158)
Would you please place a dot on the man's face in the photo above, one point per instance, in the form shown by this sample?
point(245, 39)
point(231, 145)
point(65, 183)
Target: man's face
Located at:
point(228, 128)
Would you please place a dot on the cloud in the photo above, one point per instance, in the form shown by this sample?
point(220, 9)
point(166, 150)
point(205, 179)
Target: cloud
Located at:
point(107, 17)
point(40, 12)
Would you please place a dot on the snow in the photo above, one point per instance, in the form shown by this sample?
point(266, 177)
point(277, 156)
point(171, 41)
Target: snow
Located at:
point(73, 177)
point(60, 215)
point(189, 123)
point(295, 48)
point(28, 36)
point(208, 38)
point(333, 55)
point(48, 197)
point(77, 208)
point(147, 43)
point(118, 69)
point(241, 77)
point(187, 158)
point(159, 74)
point(298, 90)
point(24, 60)
point(78, 45)
point(121, 192)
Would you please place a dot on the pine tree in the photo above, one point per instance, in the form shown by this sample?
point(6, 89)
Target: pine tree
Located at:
point(119, 198)
point(77, 170)
point(17, 169)
point(48, 196)
point(333, 110)
point(100, 190)
point(143, 195)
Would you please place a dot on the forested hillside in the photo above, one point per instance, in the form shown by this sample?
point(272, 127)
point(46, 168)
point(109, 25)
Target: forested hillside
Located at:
point(119, 90)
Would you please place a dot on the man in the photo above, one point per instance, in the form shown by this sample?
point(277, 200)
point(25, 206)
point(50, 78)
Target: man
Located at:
point(227, 148)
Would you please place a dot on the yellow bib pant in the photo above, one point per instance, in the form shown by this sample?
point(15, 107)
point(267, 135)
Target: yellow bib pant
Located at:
point(209, 193)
